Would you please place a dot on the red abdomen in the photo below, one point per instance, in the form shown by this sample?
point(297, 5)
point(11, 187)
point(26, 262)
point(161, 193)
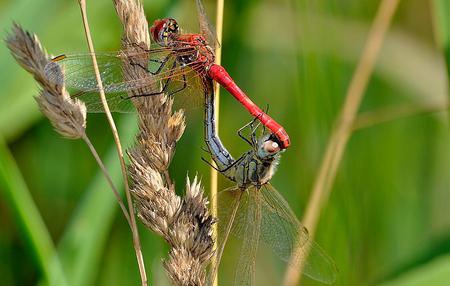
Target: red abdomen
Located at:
point(219, 74)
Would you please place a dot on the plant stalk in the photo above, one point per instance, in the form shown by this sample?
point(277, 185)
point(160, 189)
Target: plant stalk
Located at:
point(214, 173)
point(108, 177)
point(134, 229)
point(343, 130)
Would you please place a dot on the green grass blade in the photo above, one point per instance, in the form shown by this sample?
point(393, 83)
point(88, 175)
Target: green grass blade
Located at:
point(85, 238)
point(436, 272)
point(16, 193)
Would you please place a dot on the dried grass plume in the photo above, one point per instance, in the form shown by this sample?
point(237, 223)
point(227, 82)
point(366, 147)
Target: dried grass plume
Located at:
point(67, 115)
point(184, 222)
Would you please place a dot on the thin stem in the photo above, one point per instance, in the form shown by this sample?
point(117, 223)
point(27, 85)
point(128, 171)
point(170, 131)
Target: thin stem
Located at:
point(214, 174)
point(134, 229)
point(343, 129)
point(387, 114)
point(108, 177)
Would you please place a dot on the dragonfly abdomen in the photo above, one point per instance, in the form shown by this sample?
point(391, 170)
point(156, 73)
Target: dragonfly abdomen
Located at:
point(220, 75)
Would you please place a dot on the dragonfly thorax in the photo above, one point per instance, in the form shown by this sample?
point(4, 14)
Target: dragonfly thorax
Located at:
point(254, 170)
point(188, 58)
point(188, 48)
point(192, 49)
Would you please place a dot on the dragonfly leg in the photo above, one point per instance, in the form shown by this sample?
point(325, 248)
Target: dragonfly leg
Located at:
point(211, 165)
point(163, 62)
point(242, 129)
point(165, 86)
point(161, 66)
point(181, 88)
point(254, 129)
point(136, 45)
point(224, 169)
point(234, 163)
point(253, 132)
point(264, 126)
point(140, 65)
point(204, 149)
point(239, 132)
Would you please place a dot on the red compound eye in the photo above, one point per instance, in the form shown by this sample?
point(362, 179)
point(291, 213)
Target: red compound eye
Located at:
point(156, 29)
point(162, 30)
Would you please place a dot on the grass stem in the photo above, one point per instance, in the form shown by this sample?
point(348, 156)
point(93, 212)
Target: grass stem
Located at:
point(388, 114)
point(343, 128)
point(214, 173)
point(134, 229)
point(108, 177)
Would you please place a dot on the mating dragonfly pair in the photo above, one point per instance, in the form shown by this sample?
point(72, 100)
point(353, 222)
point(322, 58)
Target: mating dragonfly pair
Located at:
point(184, 64)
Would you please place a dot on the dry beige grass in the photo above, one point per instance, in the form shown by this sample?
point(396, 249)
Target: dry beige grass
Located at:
point(184, 222)
point(120, 155)
point(66, 114)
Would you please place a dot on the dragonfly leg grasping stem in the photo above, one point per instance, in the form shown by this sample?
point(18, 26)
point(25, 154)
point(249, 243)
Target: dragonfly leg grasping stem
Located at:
point(164, 88)
point(181, 88)
point(161, 66)
point(133, 64)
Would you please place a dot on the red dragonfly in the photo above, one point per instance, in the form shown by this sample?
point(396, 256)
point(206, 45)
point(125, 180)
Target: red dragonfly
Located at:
point(175, 63)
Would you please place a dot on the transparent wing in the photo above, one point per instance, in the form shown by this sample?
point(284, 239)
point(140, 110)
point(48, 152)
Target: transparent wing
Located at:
point(117, 102)
point(79, 72)
point(226, 200)
point(281, 230)
point(206, 28)
point(247, 226)
point(245, 268)
point(164, 74)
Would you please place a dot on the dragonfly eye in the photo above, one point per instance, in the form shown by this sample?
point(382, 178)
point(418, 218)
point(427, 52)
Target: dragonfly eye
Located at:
point(271, 147)
point(173, 27)
point(162, 30)
point(267, 148)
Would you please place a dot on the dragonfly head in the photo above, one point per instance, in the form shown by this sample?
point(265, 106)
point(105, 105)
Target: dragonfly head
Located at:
point(268, 147)
point(163, 30)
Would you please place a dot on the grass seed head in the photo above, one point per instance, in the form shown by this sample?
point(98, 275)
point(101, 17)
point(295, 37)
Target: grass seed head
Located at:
point(67, 115)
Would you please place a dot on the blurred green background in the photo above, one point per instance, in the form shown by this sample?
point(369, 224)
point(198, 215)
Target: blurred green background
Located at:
point(388, 218)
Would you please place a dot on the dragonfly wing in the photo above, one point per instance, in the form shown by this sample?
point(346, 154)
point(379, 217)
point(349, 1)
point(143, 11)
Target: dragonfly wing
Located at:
point(206, 28)
point(281, 230)
point(162, 74)
point(316, 263)
point(79, 77)
point(246, 227)
point(78, 71)
point(246, 266)
point(226, 200)
point(117, 102)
